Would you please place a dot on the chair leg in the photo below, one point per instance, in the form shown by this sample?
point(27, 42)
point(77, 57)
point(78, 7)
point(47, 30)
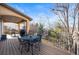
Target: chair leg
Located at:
point(32, 48)
point(21, 48)
point(39, 46)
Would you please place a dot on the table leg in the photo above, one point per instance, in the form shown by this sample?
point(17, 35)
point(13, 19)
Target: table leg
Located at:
point(28, 47)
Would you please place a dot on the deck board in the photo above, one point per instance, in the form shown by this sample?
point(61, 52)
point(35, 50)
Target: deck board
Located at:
point(10, 47)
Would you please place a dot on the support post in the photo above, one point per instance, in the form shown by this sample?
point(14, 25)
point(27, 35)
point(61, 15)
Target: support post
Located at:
point(2, 27)
point(27, 26)
point(18, 27)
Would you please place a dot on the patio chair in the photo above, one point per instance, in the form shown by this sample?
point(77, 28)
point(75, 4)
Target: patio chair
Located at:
point(22, 45)
point(40, 37)
point(39, 41)
point(3, 37)
point(22, 32)
point(36, 42)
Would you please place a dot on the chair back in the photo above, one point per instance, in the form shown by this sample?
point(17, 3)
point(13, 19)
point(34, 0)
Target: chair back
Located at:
point(22, 33)
point(40, 37)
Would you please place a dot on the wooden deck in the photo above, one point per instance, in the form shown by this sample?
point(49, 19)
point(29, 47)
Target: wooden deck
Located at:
point(10, 47)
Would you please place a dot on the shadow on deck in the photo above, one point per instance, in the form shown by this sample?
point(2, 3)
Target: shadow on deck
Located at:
point(10, 47)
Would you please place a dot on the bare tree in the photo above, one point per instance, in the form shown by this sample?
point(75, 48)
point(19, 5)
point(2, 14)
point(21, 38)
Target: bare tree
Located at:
point(34, 28)
point(77, 12)
point(62, 10)
point(77, 9)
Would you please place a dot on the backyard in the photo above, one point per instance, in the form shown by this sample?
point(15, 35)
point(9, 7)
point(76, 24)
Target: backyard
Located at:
point(49, 29)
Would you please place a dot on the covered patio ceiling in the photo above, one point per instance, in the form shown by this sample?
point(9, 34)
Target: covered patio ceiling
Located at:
point(12, 19)
point(9, 14)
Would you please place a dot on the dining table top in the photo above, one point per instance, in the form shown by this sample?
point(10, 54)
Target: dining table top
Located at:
point(30, 38)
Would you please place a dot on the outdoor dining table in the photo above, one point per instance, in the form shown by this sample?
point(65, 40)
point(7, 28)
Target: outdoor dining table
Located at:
point(30, 40)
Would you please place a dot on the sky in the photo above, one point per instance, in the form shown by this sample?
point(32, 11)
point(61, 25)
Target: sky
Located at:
point(39, 12)
point(33, 9)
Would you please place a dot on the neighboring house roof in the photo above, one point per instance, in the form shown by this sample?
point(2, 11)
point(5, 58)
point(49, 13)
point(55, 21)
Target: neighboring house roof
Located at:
point(18, 12)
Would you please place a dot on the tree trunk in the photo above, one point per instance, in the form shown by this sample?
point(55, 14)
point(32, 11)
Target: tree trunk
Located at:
point(75, 48)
